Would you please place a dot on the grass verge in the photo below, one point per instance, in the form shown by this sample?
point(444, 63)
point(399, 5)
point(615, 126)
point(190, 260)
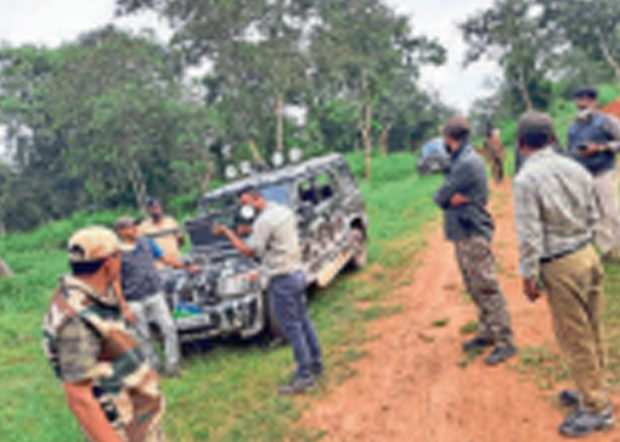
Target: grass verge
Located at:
point(226, 393)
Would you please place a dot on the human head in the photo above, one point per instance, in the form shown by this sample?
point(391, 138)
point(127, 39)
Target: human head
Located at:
point(94, 252)
point(250, 196)
point(154, 208)
point(585, 98)
point(456, 132)
point(535, 131)
point(127, 228)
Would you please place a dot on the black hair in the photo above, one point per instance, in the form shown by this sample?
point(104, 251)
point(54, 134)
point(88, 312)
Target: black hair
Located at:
point(152, 202)
point(458, 133)
point(86, 268)
point(536, 140)
point(250, 189)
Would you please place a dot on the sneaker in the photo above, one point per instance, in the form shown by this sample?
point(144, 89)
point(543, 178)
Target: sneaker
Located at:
point(477, 343)
point(500, 354)
point(582, 422)
point(569, 398)
point(317, 369)
point(297, 385)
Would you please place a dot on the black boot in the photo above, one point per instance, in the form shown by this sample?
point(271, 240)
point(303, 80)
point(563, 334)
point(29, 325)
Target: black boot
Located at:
point(500, 354)
point(477, 343)
point(297, 385)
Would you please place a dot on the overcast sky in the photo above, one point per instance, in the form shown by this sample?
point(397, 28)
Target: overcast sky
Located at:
point(51, 22)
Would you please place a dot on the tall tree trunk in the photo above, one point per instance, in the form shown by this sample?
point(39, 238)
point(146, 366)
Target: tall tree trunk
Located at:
point(255, 153)
point(279, 122)
point(607, 55)
point(138, 184)
point(366, 126)
point(5, 271)
point(525, 93)
point(385, 137)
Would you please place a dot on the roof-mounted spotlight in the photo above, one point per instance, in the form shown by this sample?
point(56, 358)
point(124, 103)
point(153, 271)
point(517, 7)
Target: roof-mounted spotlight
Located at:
point(295, 155)
point(277, 160)
point(231, 172)
point(246, 168)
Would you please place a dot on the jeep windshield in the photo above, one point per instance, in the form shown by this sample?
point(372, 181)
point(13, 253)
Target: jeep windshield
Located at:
point(224, 209)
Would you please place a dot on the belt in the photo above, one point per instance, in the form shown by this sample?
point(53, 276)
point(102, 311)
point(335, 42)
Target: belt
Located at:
point(577, 248)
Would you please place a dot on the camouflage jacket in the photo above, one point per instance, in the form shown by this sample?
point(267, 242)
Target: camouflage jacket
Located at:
point(123, 383)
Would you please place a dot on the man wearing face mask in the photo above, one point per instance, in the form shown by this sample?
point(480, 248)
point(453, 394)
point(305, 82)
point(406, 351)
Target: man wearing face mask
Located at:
point(93, 348)
point(594, 140)
point(463, 198)
point(555, 213)
point(275, 240)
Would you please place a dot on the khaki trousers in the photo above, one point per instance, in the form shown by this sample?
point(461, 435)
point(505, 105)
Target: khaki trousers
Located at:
point(574, 285)
point(608, 227)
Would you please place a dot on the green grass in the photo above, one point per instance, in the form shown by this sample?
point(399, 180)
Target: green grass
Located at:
point(227, 393)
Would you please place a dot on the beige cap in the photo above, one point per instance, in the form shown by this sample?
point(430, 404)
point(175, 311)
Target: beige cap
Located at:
point(93, 244)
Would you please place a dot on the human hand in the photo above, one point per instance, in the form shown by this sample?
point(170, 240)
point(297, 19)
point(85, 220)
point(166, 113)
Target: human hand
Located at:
point(530, 288)
point(193, 269)
point(219, 229)
point(244, 229)
point(590, 149)
point(458, 200)
point(129, 316)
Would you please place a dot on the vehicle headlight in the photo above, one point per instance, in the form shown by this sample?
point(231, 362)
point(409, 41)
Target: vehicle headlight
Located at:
point(239, 284)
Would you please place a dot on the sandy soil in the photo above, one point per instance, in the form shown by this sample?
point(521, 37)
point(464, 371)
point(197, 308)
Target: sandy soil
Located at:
point(411, 389)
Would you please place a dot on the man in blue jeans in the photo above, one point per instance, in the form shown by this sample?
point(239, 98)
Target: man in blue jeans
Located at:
point(275, 240)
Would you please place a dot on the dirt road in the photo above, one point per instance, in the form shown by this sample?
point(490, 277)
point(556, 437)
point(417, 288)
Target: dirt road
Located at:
point(411, 387)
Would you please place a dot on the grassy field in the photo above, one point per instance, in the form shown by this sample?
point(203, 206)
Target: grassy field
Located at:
point(227, 392)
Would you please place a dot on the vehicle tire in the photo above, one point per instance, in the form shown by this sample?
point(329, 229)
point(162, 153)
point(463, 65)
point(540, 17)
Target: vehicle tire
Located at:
point(360, 254)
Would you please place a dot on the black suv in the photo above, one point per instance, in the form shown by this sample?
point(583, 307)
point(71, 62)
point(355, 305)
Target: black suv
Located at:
point(223, 299)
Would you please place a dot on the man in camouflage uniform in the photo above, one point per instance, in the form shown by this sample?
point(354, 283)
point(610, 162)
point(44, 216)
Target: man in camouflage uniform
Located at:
point(556, 214)
point(110, 388)
point(463, 198)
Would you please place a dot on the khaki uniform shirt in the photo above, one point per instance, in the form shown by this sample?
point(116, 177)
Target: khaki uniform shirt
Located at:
point(555, 208)
point(276, 241)
point(166, 235)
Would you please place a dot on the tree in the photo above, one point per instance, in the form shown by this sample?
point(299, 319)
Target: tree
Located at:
point(592, 26)
point(513, 33)
point(98, 123)
point(357, 47)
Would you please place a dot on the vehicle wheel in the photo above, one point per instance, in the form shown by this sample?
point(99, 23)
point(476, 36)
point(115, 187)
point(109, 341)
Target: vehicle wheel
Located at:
point(358, 244)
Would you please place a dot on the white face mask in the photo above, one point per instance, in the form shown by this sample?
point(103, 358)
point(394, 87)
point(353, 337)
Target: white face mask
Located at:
point(584, 114)
point(247, 212)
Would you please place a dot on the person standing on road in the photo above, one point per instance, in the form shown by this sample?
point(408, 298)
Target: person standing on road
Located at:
point(494, 150)
point(594, 140)
point(556, 214)
point(143, 291)
point(275, 240)
point(163, 229)
point(93, 349)
point(463, 198)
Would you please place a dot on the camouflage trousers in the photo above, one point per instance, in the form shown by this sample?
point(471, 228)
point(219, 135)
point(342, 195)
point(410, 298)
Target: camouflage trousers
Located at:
point(574, 287)
point(477, 265)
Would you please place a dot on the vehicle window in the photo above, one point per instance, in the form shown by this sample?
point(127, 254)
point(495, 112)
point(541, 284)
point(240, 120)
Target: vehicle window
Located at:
point(277, 193)
point(306, 192)
point(324, 186)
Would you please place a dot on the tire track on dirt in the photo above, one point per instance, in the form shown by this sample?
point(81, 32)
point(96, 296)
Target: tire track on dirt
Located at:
point(410, 386)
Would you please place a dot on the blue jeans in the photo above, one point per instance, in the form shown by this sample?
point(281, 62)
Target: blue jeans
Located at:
point(288, 297)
